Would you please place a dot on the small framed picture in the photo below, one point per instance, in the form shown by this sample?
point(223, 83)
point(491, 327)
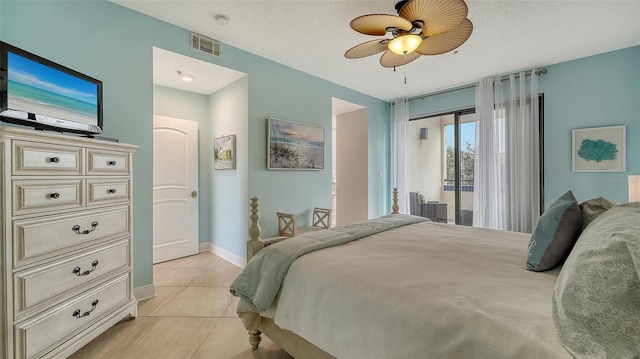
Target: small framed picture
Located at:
point(599, 149)
point(224, 153)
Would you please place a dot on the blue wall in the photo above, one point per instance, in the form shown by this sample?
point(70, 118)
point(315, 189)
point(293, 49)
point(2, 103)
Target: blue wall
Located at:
point(229, 227)
point(303, 99)
point(114, 44)
point(600, 90)
point(596, 91)
point(445, 102)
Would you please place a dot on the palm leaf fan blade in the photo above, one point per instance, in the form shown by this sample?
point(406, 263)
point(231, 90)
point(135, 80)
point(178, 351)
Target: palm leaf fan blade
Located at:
point(436, 45)
point(390, 59)
point(438, 16)
point(377, 24)
point(367, 49)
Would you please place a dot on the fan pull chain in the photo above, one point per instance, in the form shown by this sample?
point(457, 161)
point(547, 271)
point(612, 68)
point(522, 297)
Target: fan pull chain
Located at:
point(405, 73)
point(405, 68)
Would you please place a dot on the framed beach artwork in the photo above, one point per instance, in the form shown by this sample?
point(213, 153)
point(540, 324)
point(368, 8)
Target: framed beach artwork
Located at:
point(224, 153)
point(599, 149)
point(294, 146)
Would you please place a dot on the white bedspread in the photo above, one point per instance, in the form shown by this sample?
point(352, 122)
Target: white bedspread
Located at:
point(427, 290)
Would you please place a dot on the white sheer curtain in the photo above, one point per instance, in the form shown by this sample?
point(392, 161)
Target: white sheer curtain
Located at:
point(507, 178)
point(400, 180)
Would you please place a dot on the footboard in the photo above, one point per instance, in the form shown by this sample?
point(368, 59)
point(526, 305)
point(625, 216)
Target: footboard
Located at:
point(288, 341)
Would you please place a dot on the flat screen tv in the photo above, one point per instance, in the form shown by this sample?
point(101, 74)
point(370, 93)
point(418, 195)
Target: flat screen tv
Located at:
point(45, 95)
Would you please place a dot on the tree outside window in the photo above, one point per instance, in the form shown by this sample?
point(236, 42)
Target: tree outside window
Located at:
point(467, 158)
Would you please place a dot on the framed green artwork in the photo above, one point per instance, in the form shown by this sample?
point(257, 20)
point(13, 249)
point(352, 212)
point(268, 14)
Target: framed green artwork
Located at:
point(599, 149)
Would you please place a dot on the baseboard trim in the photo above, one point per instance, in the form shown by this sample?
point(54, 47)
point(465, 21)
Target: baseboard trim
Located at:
point(206, 247)
point(145, 292)
point(223, 253)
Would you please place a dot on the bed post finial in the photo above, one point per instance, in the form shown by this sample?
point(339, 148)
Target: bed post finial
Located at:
point(254, 244)
point(395, 206)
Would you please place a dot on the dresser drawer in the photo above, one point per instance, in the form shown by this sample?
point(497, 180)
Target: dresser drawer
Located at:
point(46, 282)
point(38, 335)
point(32, 196)
point(44, 237)
point(103, 191)
point(30, 158)
point(107, 162)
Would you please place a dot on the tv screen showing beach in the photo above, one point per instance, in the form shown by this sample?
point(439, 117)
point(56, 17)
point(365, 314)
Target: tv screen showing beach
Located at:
point(43, 90)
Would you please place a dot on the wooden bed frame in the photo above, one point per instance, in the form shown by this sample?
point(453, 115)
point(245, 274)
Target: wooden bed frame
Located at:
point(293, 344)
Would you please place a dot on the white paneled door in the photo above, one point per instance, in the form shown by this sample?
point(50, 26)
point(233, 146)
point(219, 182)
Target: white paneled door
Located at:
point(175, 188)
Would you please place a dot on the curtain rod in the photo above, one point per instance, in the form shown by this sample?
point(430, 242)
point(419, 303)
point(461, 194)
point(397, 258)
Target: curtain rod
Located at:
point(542, 71)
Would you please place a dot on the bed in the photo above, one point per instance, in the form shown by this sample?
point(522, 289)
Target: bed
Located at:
point(405, 287)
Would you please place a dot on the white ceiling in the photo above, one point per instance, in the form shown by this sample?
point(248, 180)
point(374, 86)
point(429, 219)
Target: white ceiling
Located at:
point(312, 36)
point(339, 107)
point(208, 77)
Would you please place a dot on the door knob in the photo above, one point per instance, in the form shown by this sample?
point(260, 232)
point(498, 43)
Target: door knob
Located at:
point(194, 194)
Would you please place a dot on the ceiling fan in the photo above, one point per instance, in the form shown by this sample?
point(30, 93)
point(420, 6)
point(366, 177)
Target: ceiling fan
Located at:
point(422, 27)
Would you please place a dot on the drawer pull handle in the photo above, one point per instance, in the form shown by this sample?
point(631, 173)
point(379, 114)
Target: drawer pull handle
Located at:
point(77, 271)
point(111, 191)
point(54, 195)
point(76, 228)
point(111, 163)
point(54, 160)
point(76, 313)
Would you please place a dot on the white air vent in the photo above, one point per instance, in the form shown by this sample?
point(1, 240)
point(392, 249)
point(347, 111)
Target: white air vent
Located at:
point(205, 45)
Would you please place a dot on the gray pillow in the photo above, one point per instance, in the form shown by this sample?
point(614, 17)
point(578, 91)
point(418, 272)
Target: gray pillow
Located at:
point(594, 207)
point(555, 234)
point(596, 299)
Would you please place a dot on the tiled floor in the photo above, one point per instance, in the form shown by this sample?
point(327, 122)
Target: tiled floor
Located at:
point(192, 316)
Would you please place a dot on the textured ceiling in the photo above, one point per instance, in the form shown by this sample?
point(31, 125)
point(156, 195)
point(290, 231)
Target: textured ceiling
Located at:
point(312, 36)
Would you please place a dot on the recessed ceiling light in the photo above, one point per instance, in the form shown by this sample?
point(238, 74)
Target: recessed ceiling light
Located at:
point(222, 20)
point(186, 77)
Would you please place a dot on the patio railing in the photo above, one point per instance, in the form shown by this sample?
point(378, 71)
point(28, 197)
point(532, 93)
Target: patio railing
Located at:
point(466, 185)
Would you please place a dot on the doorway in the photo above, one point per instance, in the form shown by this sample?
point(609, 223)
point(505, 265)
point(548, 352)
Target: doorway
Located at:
point(350, 187)
point(175, 188)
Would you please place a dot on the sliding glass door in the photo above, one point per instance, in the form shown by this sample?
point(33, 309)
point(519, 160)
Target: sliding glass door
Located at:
point(441, 153)
point(441, 159)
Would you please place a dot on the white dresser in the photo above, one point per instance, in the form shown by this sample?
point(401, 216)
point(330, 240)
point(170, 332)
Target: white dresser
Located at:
point(65, 258)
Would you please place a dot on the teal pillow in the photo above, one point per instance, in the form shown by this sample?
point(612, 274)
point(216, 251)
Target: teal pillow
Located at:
point(555, 234)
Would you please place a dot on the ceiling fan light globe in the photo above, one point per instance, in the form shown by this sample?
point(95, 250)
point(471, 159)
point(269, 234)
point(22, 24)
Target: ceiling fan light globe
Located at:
point(404, 44)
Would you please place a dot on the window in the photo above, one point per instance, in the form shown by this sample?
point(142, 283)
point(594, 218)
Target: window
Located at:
point(467, 155)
